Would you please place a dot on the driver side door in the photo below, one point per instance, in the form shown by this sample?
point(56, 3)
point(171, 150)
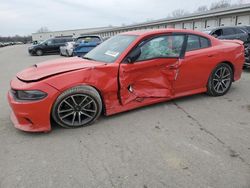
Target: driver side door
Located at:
point(153, 72)
point(50, 46)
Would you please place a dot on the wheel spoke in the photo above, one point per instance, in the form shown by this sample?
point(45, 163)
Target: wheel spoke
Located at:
point(79, 118)
point(227, 79)
point(85, 114)
point(217, 75)
point(216, 86)
point(89, 110)
point(68, 104)
point(67, 115)
point(72, 97)
point(220, 87)
point(225, 86)
point(83, 101)
point(73, 119)
point(223, 72)
point(68, 110)
point(88, 103)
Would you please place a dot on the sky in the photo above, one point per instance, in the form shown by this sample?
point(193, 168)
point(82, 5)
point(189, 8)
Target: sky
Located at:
point(24, 17)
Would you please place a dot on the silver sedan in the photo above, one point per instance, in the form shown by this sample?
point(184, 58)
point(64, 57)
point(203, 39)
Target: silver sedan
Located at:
point(67, 50)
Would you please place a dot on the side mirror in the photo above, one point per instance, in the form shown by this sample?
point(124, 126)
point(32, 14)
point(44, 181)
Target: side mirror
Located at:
point(133, 56)
point(46, 44)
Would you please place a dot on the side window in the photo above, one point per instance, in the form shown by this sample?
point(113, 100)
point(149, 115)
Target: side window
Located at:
point(56, 41)
point(161, 47)
point(205, 43)
point(193, 43)
point(228, 31)
point(63, 41)
point(50, 42)
point(217, 33)
point(238, 31)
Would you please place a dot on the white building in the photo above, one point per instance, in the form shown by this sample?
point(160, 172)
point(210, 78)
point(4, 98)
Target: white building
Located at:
point(233, 16)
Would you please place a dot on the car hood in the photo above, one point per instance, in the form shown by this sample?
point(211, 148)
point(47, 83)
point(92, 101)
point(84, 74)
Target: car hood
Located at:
point(53, 67)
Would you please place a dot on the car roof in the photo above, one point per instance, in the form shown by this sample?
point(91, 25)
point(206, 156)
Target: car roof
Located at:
point(84, 36)
point(162, 31)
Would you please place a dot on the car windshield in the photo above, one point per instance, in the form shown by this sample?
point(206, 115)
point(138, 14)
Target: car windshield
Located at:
point(88, 39)
point(111, 49)
point(45, 41)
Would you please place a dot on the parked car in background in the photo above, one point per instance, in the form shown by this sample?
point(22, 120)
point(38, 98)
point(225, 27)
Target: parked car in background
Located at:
point(67, 50)
point(1, 44)
point(247, 47)
point(48, 46)
point(86, 43)
point(238, 32)
point(246, 28)
point(127, 71)
point(228, 33)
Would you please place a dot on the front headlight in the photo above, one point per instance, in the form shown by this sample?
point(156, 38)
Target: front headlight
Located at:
point(28, 95)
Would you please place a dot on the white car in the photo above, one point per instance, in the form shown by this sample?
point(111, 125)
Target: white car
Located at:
point(67, 50)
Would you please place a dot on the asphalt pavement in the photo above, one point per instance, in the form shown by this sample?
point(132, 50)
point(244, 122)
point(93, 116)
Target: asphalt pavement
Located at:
point(192, 142)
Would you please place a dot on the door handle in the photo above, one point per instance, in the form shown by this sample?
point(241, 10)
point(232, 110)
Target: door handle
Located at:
point(171, 67)
point(211, 55)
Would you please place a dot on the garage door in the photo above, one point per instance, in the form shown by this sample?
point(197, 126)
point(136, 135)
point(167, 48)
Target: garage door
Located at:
point(243, 20)
point(199, 25)
point(178, 26)
point(211, 23)
point(170, 26)
point(226, 22)
point(188, 25)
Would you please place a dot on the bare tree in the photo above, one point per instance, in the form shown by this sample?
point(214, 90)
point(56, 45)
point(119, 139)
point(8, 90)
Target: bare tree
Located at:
point(179, 13)
point(43, 29)
point(220, 4)
point(202, 8)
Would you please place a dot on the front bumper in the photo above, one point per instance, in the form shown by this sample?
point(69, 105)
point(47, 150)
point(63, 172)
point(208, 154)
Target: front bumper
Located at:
point(31, 51)
point(32, 116)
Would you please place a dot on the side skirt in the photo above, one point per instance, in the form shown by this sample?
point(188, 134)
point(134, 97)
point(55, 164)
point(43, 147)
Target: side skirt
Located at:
point(141, 102)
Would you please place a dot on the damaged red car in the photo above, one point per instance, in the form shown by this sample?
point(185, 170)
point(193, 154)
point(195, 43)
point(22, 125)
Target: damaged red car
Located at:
point(128, 71)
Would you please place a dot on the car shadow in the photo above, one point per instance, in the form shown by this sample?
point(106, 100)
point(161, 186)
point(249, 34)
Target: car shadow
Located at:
point(105, 119)
point(246, 70)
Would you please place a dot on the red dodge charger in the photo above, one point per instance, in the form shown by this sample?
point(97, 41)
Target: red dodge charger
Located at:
point(128, 71)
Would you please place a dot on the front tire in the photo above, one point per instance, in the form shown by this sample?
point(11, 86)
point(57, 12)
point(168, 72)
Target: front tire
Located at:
point(220, 80)
point(39, 52)
point(77, 107)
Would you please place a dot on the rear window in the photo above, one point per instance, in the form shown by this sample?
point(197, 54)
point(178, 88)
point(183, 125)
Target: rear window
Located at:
point(88, 39)
point(197, 42)
point(238, 31)
point(205, 43)
point(193, 43)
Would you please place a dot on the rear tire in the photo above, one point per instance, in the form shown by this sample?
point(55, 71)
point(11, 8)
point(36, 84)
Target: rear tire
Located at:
point(77, 107)
point(39, 52)
point(220, 80)
point(67, 53)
